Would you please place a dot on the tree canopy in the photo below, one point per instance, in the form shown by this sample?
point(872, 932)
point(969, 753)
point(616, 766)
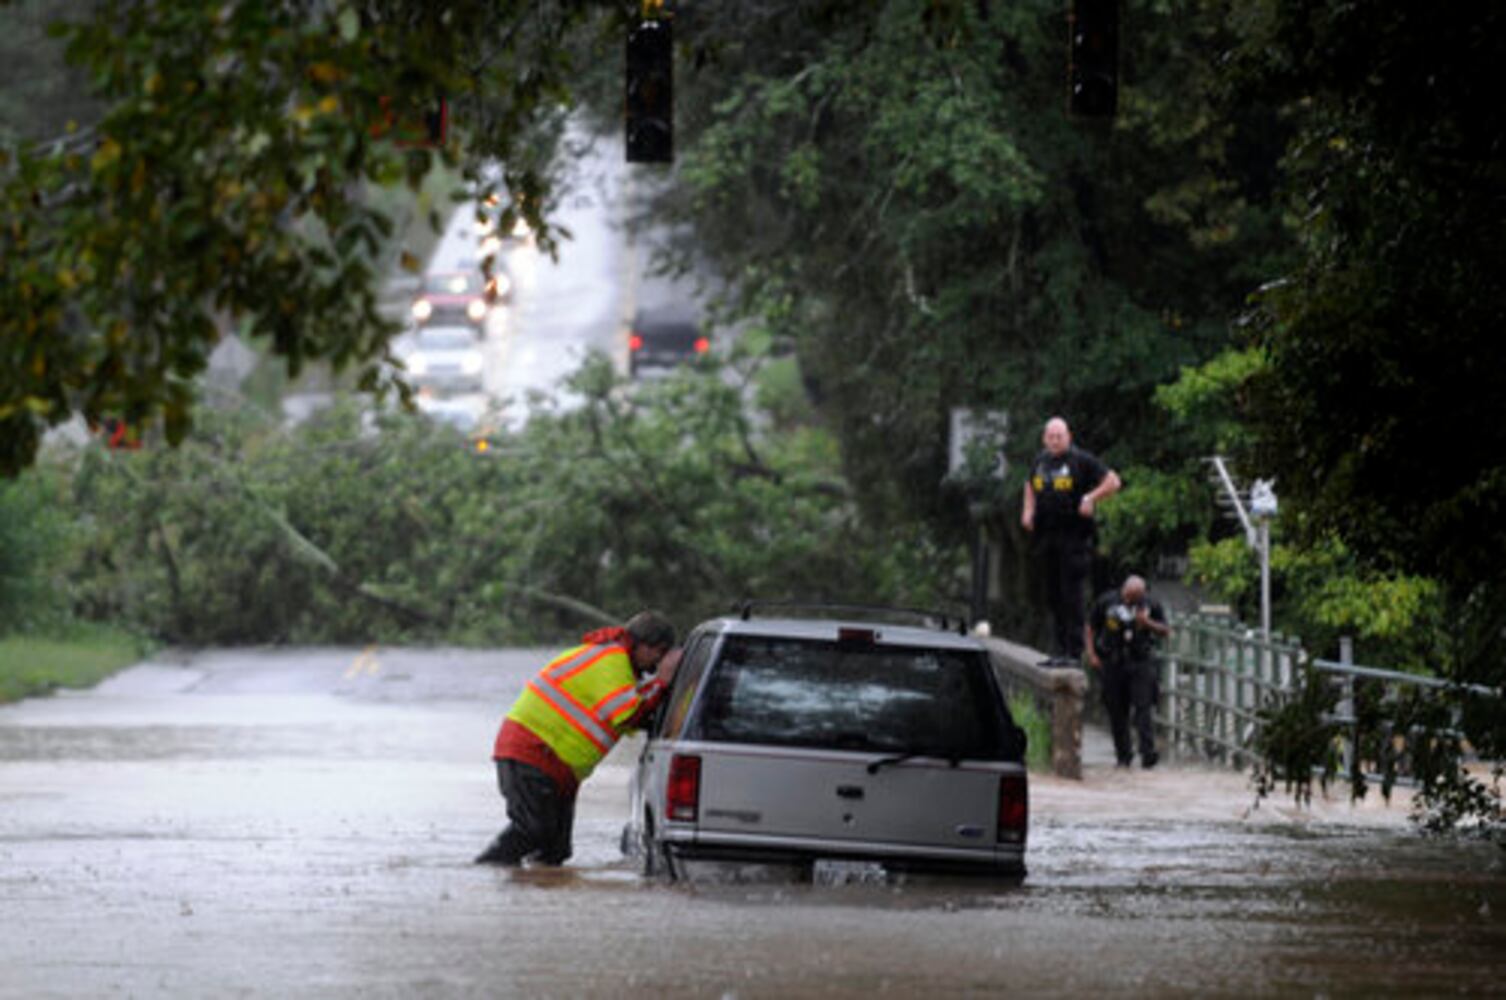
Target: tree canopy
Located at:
point(1283, 246)
point(226, 181)
point(1379, 407)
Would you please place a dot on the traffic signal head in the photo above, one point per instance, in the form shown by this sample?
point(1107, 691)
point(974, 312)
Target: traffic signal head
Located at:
point(1093, 67)
point(650, 93)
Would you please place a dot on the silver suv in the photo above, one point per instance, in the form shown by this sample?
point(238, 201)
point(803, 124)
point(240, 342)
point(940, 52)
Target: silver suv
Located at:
point(842, 750)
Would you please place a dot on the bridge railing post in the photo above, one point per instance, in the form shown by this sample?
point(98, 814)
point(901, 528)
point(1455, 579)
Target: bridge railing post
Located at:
point(1060, 691)
point(1346, 706)
point(1171, 701)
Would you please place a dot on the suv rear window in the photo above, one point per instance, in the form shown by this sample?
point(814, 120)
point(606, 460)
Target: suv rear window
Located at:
point(885, 699)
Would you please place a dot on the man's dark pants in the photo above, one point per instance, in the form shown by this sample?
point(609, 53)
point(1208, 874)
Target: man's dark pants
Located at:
point(1065, 557)
point(1130, 685)
point(540, 817)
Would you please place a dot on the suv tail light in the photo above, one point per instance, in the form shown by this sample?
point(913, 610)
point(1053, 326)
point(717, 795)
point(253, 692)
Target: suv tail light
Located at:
point(702, 345)
point(1014, 809)
point(682, 796)
point(635, 342)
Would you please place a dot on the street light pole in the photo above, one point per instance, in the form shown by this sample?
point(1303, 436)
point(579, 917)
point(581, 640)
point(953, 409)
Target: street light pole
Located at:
point(979, 609)
point(1263, 509)
point(1265, 579)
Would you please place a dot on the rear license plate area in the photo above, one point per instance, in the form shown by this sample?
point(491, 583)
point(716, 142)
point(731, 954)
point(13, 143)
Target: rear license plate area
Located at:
point(839, 871)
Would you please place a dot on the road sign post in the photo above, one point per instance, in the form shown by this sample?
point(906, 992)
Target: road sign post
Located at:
point(975, 461)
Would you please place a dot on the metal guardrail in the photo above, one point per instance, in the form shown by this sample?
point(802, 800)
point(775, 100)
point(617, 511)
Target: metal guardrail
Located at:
point(1387, 687)
point(1215, 674)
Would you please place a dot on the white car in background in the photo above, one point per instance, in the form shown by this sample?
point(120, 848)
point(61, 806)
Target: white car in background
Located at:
point(462, 413)
point(445, 359)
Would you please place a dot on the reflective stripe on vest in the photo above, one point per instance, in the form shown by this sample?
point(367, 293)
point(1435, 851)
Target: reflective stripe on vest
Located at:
point(572, 712)
point(617, 702)
point(579, 703)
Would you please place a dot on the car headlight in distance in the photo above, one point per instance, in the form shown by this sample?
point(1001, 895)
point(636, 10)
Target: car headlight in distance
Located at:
point(476, 310)
point(423, 309)
point(471, 364)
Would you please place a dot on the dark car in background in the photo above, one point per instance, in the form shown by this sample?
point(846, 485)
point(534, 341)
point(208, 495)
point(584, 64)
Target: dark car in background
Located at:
point(664, 337)
point(831, 750)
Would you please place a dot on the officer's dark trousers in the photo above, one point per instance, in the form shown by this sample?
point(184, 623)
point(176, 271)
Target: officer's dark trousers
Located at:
point(540, 817)
point(1130, 686)
point(1065, 558)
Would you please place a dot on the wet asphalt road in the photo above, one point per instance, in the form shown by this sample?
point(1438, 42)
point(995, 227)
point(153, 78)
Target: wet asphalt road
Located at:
point(301, 823)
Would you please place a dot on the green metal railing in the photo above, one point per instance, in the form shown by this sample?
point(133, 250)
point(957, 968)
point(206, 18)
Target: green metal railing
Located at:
point(1215, 674)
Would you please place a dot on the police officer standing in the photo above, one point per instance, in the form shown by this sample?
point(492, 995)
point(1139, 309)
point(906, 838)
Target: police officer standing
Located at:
point(1121, 634)
point(1061, 496)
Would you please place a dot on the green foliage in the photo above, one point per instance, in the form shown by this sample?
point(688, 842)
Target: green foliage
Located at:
point(77, 657)
point(1037, 731)
point(781, 394)
point(354, 528)
point(1210, 398)
point(914, 211)
point(1410, 731)
point(1163, 514)
point(1380, 337)
point(228, 178)
point(1323, 591)
point(39, 93)
point(33, 539)
point(1296, 741)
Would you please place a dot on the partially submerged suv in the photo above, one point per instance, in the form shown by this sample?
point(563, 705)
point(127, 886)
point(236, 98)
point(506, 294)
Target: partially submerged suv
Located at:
point(841, 750)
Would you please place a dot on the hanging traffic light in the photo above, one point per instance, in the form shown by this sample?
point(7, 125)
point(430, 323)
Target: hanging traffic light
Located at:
point(1093, 67)
point(650, 93)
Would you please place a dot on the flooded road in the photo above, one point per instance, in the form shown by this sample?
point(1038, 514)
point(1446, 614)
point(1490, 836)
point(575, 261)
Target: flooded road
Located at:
point(301, 824)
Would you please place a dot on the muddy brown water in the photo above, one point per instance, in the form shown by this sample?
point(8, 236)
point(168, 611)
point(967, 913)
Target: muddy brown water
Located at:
point(282, 824)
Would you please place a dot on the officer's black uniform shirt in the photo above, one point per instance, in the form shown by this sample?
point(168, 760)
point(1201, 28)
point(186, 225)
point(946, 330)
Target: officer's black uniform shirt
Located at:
point(1116, 636)
point(1060, 482)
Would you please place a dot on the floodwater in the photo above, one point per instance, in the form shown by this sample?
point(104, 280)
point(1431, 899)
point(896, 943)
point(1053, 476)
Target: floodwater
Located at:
point(302, 823)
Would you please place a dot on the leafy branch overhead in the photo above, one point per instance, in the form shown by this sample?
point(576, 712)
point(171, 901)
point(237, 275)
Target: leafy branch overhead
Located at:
point(228, 181)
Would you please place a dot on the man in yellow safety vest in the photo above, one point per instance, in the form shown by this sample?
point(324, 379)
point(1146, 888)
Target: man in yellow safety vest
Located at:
point(566, 720)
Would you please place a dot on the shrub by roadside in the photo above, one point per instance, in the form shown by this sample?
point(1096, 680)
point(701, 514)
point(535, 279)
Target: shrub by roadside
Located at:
point(1037, 732)
point(32, 665)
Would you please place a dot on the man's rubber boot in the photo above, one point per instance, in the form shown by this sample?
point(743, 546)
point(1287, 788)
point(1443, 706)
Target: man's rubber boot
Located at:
point(495, 854)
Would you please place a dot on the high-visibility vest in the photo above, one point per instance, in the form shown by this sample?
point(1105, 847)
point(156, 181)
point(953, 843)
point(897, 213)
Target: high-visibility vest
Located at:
point(580, 704)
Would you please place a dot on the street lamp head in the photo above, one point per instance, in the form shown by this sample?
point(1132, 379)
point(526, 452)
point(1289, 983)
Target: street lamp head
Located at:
point(1263, 498)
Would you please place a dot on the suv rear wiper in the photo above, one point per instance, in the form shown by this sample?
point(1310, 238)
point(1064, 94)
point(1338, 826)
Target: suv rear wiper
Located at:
point(952, 759)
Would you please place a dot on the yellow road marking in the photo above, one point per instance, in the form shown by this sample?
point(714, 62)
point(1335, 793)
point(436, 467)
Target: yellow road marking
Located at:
point(365, 662)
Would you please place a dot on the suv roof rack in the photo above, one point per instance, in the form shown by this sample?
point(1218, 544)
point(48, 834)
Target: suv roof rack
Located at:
point(927, 618)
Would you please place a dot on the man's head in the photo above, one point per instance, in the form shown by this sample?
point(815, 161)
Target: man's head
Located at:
point(1057, 436)
point(652, 636)
point(1132, 591)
